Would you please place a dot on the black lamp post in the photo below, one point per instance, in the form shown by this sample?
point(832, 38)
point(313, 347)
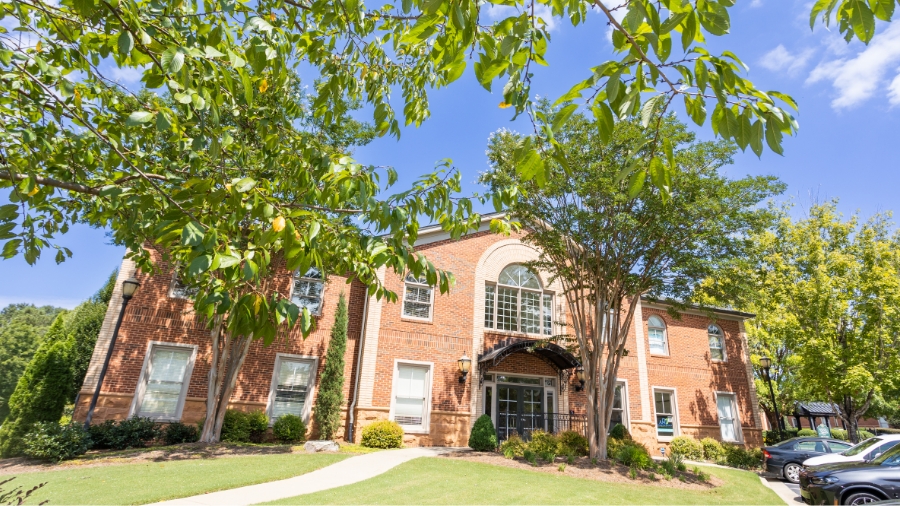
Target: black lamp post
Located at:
point(766, 363)
point(464, 364)
point(129, 287)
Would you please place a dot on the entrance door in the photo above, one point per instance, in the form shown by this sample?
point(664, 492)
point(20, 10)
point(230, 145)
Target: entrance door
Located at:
point(520, 410)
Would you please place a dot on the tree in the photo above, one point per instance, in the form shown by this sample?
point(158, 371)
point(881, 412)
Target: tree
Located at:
point(834, 286)
point(83, 327)
point(331, 389)
point(609, 245)
point(22, 329)
point(42, 392)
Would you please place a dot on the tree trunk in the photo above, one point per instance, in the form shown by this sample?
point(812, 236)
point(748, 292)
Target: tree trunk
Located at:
point(228, 355)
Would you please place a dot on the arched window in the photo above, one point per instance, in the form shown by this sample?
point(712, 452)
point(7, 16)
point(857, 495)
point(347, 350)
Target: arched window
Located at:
point(518, 303)
point(657, 336)
point(716, 343)
point(307, 290)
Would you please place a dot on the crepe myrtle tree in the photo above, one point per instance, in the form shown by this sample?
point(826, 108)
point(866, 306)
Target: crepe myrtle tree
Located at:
point(608, 244)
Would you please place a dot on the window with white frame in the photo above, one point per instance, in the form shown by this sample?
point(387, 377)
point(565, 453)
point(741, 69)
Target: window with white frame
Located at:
point(164, 382)
point(292, 383)
point(518, 303)
point(418, 298)
point(656, 334)
point(412, 385)
point(726, 405)
point(179, 290)
point(716, 343)
point(307, 289)
point(618, 409)
point(666, 416)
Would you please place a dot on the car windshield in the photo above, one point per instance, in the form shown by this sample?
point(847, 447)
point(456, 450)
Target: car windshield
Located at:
point(889, 458)
point(861, 447)
point(788, 442)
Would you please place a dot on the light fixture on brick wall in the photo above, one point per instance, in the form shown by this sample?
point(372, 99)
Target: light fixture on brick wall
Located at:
point(464, 364)
point(579, 375)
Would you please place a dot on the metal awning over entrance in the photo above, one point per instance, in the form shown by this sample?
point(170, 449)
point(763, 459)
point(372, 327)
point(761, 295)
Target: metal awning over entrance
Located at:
point(553, 353)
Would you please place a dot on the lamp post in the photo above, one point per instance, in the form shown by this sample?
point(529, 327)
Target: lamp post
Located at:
point(579, 375)
point(766, 363)
point(129, 287)
point(464, 364)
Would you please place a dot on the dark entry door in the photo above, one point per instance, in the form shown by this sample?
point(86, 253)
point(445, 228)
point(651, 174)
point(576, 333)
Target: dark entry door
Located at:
point(520, 410)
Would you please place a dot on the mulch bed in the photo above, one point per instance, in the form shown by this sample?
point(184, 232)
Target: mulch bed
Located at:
point(582, 467)
point(188, 451)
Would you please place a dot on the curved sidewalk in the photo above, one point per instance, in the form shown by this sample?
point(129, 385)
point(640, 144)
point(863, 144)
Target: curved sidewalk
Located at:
point(345, 472)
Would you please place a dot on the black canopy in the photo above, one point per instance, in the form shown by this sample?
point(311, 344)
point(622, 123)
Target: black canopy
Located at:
point(553, 353)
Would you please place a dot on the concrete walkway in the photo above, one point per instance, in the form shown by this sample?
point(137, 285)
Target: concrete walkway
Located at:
point(345, 472)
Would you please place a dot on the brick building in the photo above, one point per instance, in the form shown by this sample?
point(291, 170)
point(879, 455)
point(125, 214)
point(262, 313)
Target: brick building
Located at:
point(689, 375)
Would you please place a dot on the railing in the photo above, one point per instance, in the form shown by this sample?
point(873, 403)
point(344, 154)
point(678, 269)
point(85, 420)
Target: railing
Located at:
point(523, 425)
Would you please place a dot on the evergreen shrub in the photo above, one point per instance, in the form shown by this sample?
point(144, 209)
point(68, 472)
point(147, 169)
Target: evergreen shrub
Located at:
point(840, 434)
point(259, 424)
point(619, 432)
point(688, 447)
point(235, 427)
point(712, 449)
point(52, 441)
point(573, 442)
point(178, 433)
point(543, 443)
point(289, 429)
point(634, 455)
point(483, 437)
point(806, 433)
point(134, 432)
point(327, 413)
point(382, 434)
point(740, 457)
point(514, 446)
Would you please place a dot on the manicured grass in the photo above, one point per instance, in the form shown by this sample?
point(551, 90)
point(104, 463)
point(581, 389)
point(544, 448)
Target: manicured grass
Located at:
point(159, 481)
point(445, 481)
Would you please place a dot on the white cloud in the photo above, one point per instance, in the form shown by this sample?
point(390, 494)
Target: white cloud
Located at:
point(126, 75)
point(498, 12)
point(894, 90)
point(756, 3)
point(857, 79)
point(781, 60)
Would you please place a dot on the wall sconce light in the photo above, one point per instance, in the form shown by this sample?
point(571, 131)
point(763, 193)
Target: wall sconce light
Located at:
point(579, 375)
point(464, 364)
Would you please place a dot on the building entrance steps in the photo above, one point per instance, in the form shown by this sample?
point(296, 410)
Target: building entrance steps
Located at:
point(345, 472)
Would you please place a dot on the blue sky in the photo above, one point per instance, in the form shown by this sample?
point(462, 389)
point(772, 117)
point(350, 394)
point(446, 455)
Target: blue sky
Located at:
point(847, 147)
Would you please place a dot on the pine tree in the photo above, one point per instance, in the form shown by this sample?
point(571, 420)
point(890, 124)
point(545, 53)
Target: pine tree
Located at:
point(42, 391)
point(331, 392)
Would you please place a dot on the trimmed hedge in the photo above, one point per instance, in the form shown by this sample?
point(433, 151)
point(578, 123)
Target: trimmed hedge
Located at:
point(687, 447)
point(178, 433)
point(289, 429)
point(483, 437)
point(244, 427)
point(573, 442)
point(382, 434)
point(633, 454)
point(807, 433)
point(514, 446)
point(712, 449)
point(52, 441)
point(135, 432)
point(619, 432)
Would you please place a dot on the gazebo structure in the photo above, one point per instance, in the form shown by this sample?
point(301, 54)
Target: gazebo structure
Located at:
point(812, 411)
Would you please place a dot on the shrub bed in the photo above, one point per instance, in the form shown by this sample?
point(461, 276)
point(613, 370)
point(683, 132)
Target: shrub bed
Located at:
point(52, 441)
point(382, 434)
point(289, 429)
point(687, 447)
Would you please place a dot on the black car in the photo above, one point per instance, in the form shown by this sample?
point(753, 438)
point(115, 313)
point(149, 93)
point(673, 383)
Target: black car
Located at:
point(786, 458)
point(853, 482)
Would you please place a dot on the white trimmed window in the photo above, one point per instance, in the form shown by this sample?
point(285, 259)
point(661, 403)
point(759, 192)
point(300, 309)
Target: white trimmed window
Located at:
point(656, 334)
point(619, 415)
point(292, 385)
point(307, 289)
point(666, 411)
point(726, 405)
point(716, 343)
point(179, 290)
point(418, 297)
point(518, 303)
point(164, 381)
point(411, 396)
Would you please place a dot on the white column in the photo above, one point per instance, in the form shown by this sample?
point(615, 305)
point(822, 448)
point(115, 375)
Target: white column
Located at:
point(643, 380)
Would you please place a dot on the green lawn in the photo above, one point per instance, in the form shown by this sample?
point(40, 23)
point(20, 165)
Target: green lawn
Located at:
point(444, 481)
point(159, 481)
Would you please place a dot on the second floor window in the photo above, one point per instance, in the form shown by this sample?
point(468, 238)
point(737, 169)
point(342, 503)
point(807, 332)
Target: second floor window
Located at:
point(417, 298)
point(716, 343)
point(180, 290)
point(307, 290)
point(518, 303)
point(656, 333)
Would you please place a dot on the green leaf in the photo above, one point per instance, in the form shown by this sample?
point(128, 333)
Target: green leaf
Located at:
point(883, 9)
point(245, 185)
point(192, 234)
point(200, 265)
point(125, 43)
point(636, 183)
point(162, 122)
point(11, 248)
point(172, 60)
point(563, 115)
point(9, 212)
point(258, 24)
point(648, 108)
point(670, 155)
point(660, 176)
point(248, 88)
point(605, 122)
point(696, 109)
point(756, 137)
point(773, 137)
point(314, 228)
point(226, 261)
point(861, 19)
point(139, 118)
point(820, 6)
point(530, 164)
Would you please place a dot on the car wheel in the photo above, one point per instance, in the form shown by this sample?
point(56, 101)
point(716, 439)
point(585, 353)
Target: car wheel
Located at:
point(792, 472)
point(862, 498)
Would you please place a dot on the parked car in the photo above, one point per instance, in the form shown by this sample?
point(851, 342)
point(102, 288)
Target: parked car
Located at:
point(865, 450)
point(786, 458)
point(853, 482)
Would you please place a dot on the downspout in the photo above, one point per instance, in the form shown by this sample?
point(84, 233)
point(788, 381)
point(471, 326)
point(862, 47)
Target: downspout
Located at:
point(362, 342)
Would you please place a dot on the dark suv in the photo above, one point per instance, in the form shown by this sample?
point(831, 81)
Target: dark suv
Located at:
point(853, 482)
